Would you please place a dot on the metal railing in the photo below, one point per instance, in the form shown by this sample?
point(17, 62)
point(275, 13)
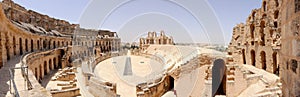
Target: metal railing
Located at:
point(12, 82)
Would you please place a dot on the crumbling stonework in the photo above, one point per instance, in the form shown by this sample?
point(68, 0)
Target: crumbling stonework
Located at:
point(152, 38)
point(46, 44)
point(16, 12)
point(290, 52)
point(257, 42)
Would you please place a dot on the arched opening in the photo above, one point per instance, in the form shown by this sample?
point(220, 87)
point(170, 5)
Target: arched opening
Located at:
point(49, 44)
point(294, 64)
point(54, 44)
point(252, 57)
point(55, 64)
point(264, 16)
point(45, 68)
point(14, 45)
point(263, 60)
point(276, 3)
point(275, 24)
point(275, 66)
point(171, 83)
point(35, 73)
point(276, 13)
point(7, 52)
point(262, 35)
point(252, 28)
point(44, 44)
point(58, 44)
point(244, 56)
point(41, 72)
point(20, 45)
point(31, 44)
point(264, 5)
point(271, 32)
point(253, 15)
point(26, 45)
point(38, 44)
point(50, 64)
point(219, 77)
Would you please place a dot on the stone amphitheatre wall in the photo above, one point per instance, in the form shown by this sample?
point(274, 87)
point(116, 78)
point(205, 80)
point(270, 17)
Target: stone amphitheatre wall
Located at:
point(290, 52)
point(41, 63)
point(31, 36)
point(16, 12)
point(257, 41)
point(16, 41)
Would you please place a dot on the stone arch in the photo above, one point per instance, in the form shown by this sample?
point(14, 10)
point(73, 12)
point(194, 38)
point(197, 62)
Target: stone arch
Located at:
point(263, 60)
point(219, 77)
point(253, 15)
point(26, 45)
point(58, 44)
point(171, 83)
point(264, 16)
point(45, 68)
point(294, 65)
point(276, 3)
point(50, 65)
point(252, 57)
point(7, 52)
point(271, 32)
point(49, 44)
point(44, 44)
point(276, 14)
point(41, 72)
point(38, 44)
point(54, 44)
point(20, 46)
point(14, 45)
point(252, 28)
point(275, 66)
point(244, 56)
point(31, 44)
point(264, 5)
point(275, 24)
point(262, 34)
point(36, 73)
point(54, 63)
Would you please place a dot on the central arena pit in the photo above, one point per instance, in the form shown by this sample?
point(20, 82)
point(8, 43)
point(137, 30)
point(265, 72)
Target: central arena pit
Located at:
point(128, 71)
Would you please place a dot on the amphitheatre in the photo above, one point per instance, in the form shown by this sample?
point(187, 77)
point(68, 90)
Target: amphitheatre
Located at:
point(46, 57)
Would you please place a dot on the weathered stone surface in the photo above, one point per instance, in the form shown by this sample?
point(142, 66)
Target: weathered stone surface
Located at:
point(257, 41)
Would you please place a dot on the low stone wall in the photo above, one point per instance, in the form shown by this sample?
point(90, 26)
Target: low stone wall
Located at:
point(41, 63)
point(154, 89)
point(99, 88)
point(66, 93)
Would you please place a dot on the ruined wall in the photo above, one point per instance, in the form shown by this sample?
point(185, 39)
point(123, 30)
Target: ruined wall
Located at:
point(257, 41)
point(156, 88)
point(152, 38)
point(68, 93)
point(16, 12)
point(41, 63)
point(290, 52)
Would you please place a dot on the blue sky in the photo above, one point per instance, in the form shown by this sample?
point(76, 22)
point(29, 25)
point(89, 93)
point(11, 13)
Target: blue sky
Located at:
point(132, 18)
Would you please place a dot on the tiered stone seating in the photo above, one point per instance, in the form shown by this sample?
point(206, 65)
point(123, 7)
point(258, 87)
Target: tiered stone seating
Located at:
point(172, 55)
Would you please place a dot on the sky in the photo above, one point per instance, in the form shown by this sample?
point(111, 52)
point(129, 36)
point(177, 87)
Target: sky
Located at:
point(184, 20)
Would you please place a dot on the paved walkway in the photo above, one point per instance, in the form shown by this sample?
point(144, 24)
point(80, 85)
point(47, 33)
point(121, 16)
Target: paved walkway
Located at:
point(5, 78)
